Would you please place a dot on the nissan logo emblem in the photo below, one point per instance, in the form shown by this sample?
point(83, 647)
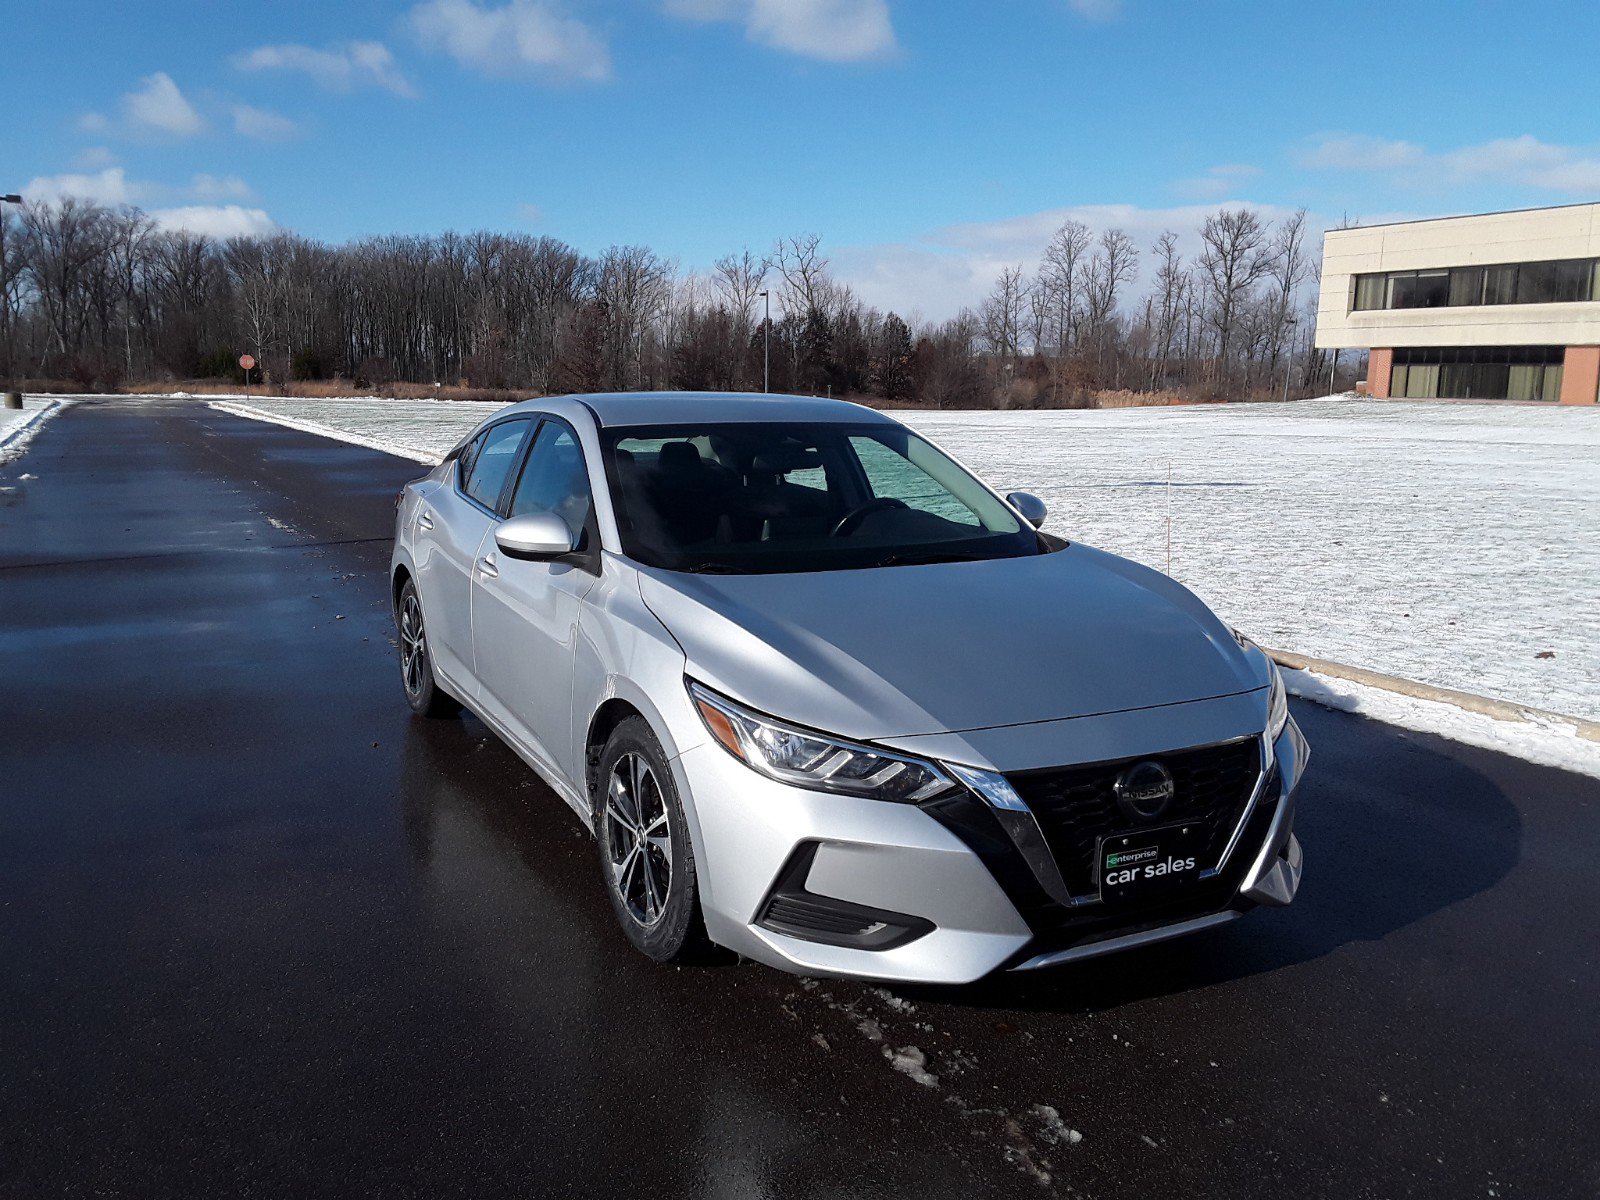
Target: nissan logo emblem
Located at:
point(1144, 790)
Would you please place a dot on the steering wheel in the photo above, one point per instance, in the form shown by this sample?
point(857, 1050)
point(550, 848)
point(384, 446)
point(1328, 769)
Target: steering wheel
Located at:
point(852, 520)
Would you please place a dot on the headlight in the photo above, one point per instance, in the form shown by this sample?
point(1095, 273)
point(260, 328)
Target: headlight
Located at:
point(806, 759)
point(1277, 705)
point(1277, 696)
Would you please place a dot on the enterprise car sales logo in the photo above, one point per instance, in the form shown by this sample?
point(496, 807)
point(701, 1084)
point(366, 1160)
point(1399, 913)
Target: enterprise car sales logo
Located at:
point(1131, 857)
point(1144, 790)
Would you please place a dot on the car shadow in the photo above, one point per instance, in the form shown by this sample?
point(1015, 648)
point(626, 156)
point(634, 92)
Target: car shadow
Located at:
point(1395, 829)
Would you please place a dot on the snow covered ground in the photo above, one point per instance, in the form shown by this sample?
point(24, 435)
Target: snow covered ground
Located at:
point(1452, 544)
point(19, 425)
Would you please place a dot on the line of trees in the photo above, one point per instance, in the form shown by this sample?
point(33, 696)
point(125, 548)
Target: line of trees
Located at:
point(101, 297)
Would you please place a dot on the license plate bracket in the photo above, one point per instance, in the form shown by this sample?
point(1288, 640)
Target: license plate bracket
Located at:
point(1143, 864)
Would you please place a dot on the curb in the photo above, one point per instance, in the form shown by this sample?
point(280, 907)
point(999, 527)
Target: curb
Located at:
point(1503, 710)
point(235, 409)
point(32, 422)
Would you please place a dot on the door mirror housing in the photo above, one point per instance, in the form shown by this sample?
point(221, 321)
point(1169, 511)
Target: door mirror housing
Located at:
point(535, 536)
point(1030, 506)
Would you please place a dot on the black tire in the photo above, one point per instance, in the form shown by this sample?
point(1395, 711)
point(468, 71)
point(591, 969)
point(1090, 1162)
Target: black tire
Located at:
point(422, 690)
point(677, 931)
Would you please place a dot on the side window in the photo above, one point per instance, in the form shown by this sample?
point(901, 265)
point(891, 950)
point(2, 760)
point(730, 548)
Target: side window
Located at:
point(491, 462)
point(554, 479)
point(468, 456)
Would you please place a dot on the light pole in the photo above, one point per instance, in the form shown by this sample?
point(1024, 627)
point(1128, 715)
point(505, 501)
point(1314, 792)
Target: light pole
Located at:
point(5, 302)
point(1288, 359)
point(766, 343)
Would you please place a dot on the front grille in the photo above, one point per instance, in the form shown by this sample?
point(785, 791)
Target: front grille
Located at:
point(1076, 806)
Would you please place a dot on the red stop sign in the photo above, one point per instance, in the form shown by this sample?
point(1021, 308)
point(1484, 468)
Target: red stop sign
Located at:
point(246, 361)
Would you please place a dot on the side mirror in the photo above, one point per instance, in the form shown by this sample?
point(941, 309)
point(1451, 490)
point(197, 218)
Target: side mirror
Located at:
point(536, 536)
point(1030, 506)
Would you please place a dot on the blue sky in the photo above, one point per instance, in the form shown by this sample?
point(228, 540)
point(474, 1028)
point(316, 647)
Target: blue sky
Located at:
point(929, 143)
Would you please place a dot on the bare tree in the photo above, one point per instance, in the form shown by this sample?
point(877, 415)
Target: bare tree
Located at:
point(1166, 303)
point(738, 279)
point(1062, 271)
point(799, 261)
point(1232, 262)
point(1111, 267)
point(1290, 268)
point(1000, 316)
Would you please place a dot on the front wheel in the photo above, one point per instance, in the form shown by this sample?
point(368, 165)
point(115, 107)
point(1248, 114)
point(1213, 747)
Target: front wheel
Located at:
point(423, 692)
point(645, 854)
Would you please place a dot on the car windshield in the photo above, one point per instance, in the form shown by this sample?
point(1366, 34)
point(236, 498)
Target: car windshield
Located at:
point(781, 497)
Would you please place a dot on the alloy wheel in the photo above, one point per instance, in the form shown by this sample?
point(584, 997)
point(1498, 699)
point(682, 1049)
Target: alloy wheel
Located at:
point(638, 838)
point(413, 645)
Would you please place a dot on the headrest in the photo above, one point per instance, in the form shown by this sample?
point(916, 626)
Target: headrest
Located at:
point(680, 456)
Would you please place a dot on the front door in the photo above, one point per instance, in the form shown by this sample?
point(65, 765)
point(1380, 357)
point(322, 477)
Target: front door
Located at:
point(452, 527)
point(525, 615)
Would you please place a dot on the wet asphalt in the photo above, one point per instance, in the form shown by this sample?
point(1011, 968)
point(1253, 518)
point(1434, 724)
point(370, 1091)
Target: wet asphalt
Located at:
point(262, 933)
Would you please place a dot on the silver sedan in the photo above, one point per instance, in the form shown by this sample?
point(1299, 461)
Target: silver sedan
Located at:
point(828, 701)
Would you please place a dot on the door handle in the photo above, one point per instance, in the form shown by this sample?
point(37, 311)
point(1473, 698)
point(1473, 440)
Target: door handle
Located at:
point(425, 520)
point(487, 566)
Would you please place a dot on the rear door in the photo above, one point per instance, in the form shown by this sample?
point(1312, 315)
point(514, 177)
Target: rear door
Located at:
point(525, 614)
point(452, 526)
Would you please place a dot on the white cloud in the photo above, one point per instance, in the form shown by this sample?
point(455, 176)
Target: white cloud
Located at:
point(832, 30)
point(159, 106)
point(340, 68)
point(91, 157)
point(1096, 10)
point(525, 38)
point(217, 221)
point(262, 124)
point(941, 272)
point(529, 214)
point(111, 186)
point(1216, 182)
point(1524, 161)
point(226, 187)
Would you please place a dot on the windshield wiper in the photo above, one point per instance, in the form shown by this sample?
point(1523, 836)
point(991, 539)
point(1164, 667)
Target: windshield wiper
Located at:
point(713, 568)
point(928, 557)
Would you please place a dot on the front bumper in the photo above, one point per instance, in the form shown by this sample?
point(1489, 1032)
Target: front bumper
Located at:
point(947, 894)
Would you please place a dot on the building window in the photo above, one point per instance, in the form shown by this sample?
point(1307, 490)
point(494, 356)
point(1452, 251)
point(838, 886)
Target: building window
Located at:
point(1477, 373)
point(1559, 281)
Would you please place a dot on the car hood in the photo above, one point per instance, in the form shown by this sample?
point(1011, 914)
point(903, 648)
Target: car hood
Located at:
point(911, 650)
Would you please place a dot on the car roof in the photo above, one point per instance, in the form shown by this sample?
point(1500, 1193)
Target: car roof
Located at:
point(614, 409)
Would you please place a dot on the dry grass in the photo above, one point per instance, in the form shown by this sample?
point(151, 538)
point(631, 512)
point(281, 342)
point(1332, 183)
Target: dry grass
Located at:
point(328, 389)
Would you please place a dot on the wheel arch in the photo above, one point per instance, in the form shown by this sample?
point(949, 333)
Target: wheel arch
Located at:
point(613, 712)
point(397, 583)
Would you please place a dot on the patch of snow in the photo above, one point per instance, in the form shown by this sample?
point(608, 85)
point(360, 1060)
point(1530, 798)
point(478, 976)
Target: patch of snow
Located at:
point(893, 1001)
point(912, 1063)
point(19, 426)
point(421, 430)
point(1055, 1130)
point(1550, 743)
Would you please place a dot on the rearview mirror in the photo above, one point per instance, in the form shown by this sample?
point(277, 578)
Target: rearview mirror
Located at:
point(1030, 506)
point(535, 536)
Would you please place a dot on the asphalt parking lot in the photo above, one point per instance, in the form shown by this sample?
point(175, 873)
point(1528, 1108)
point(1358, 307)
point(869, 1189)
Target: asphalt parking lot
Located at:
point(264, 933)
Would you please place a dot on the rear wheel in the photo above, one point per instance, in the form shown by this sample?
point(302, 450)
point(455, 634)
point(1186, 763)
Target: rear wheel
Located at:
point(643, 841)
point(423, 692)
